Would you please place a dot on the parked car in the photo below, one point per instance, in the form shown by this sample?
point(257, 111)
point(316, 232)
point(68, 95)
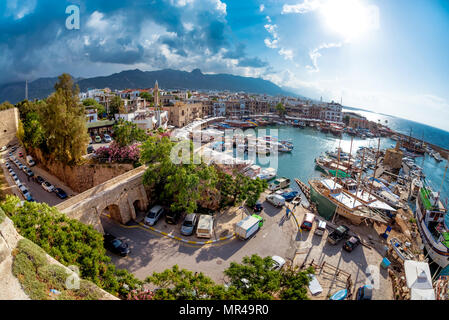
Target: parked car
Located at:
point(364, 293)
point(29, 173)
point(338, 234)
point(276, 200)
point(107, 138)
point(320, 228)
point(351, 244)
point(30, 161)
point(172, 217)
point(48, 186)
point(40, 180)
point(258, 207)
point(98, 139)
point(90, 149)
point(3, 148)
point(153, 215)
point(20, 154)
point(27, 195)
point(307, 223)
point(278, 262)
point(60, 193)
point(25, 168)
point(205, 226)
point(189, 224)
point(116, 245)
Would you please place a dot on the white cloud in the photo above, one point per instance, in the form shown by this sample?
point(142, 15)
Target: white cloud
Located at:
point(315, 54)
point(287, 53)
point(268, 19)
point(272, 29)
point(306, 6)
point(220, 6)
point(262, 8)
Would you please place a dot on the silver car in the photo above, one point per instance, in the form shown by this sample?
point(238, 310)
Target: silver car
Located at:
point(189, 224)
point(153, 215)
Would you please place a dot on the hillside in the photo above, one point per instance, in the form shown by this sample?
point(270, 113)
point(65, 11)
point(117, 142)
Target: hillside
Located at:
point(167, 79)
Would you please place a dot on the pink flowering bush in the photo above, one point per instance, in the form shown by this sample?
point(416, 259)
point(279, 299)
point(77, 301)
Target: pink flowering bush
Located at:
point(115, 153)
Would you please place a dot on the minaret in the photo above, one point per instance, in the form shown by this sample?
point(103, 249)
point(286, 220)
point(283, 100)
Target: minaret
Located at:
point(26, 89)
point(156, 94)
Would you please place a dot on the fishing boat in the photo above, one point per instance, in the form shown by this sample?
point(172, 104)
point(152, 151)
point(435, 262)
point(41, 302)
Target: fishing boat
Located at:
point(267, 174)
point(433, 224)
point(283, 148)
point(290, 195)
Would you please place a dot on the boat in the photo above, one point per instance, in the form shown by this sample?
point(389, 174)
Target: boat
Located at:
point(437, 156)
point(267, 174)
point(331, 198)
point(279, 183)
point(288, 196)
point(432, 219)
point(339, 295)
point(401, 250)
point(283, 148)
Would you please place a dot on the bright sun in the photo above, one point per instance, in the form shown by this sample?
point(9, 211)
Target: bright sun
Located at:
point(350, 18)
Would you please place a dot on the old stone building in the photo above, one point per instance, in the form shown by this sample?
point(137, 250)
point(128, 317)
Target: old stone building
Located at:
point(181, 114)
point(393, 157)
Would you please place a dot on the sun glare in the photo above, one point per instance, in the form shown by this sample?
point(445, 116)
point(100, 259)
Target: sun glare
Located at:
point(350, 18)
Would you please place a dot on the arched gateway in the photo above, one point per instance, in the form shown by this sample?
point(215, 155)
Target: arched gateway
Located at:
point(118, 197)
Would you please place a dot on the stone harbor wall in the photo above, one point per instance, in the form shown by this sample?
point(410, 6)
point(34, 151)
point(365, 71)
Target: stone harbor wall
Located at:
point(81, 177)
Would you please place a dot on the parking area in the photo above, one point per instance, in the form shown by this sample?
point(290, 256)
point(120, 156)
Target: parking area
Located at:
point(363, 264)
point(38, 193)
point(151, 252)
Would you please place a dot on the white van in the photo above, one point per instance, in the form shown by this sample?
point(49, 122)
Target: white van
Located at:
point(276, 200)
point(205, 226)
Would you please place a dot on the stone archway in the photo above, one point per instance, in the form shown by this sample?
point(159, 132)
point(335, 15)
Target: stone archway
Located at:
point(113, 211)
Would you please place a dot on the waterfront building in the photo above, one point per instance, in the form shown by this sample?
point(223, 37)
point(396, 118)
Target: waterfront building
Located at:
point(181, 113)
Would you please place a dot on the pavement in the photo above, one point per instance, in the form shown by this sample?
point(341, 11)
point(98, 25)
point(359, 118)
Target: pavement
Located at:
point(152, 252)
point(38, 193)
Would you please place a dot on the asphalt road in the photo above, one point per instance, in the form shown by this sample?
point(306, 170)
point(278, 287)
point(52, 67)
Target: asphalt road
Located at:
point(151, 252)
point(37, 192)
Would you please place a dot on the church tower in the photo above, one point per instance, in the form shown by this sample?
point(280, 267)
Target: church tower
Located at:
point(156, 94)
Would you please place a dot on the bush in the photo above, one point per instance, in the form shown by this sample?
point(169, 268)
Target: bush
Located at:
point(71, 243)
point(115, 153)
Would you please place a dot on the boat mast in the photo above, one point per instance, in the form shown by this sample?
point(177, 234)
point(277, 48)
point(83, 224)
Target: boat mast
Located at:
point(350, 153)
point(360, 176)
point(338, 164)
point(375, 169)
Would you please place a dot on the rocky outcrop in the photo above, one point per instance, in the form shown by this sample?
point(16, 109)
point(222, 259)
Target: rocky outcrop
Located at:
point(11, 288)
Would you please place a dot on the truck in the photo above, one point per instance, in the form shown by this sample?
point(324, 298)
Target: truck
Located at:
point(205, 226)
point(248, 226)
point(338, 234)
point(30, 161)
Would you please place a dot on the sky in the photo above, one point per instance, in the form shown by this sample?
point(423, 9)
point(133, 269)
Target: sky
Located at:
point(386, 56)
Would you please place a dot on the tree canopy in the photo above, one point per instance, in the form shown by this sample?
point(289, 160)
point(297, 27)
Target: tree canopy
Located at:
point(101, 110)
point(117, 105)
point(126, 133)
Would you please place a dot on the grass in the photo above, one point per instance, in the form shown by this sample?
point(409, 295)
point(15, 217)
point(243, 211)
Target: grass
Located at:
point(38, 276)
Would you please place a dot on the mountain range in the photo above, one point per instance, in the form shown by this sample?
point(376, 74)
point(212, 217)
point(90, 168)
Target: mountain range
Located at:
point(137, 79)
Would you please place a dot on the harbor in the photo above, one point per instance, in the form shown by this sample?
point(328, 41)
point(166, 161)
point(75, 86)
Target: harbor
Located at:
point(370, 184)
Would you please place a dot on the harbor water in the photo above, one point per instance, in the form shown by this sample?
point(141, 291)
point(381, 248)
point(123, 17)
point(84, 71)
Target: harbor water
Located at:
point(310, 143)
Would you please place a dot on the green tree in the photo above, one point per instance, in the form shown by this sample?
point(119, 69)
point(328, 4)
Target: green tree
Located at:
point(180, 185)
point(64, 122)
point(280, 108)
point(182, 284)
point(6, 105)
point(126, 133)
point(238, 188)
point(99, 107)
point(117, 105)
point(70, 242)
point(255, 278)
point(147, 96)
